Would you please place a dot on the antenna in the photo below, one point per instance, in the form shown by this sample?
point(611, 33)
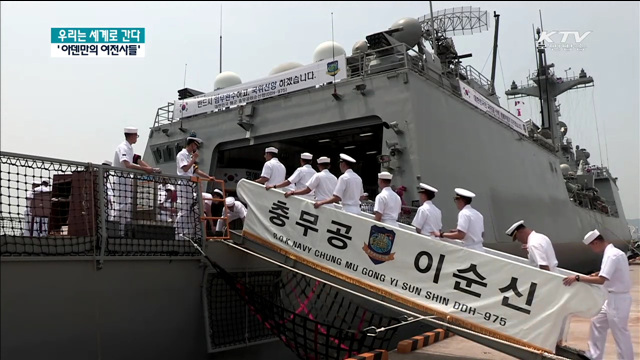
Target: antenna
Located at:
point(335, 94)
point(184, 85)
point(333, 43)
point(220, 38)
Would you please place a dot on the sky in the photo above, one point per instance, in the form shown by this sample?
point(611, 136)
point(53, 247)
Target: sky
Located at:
point(76, 108)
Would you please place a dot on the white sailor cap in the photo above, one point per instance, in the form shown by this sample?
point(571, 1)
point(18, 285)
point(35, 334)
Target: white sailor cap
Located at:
point(169, 187)
point(385, 175)
point(512, 229)
point(271, 149)
point(347, 158)
point(465, 193)
point(207, 196)
point(306, 156)
point(424, 186)
point(365, 194)
point(218, 191)
point(230, 201)
point(198, 140)
point(36, 182)
point(130, 130)
point(591, 235)
point(323, 160)
point(107, 162)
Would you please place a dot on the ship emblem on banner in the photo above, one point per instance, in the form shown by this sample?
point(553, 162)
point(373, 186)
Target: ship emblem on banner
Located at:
point(333, 68)
point(380, 244)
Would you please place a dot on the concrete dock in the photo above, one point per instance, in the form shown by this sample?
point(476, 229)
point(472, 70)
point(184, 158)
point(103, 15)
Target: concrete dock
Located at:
point(459, 348)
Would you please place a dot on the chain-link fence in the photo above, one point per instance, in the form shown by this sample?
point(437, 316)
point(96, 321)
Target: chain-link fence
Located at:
point(57, 207)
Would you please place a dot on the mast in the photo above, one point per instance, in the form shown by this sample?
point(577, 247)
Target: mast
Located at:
point(547, 88)
point(492, 90)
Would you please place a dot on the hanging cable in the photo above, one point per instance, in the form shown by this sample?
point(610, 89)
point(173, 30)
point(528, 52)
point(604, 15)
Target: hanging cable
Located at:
point(595, 116)
point(597, 131)
point(503, 83)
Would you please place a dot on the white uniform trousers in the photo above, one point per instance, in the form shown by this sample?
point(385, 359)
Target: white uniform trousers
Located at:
point(390, 222)
point(478, 247)
point(123, 201)
point(187, 217)
point(40, 225)
point(353, 209)
point(614, 315)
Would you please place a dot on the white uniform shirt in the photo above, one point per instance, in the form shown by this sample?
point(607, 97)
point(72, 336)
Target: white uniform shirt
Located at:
point(388, 204)
point(301, 177)
point(239, 212)
point(541, 251)
point(428, 218)
point(274, 171)
point(349, 189)
point(124, 151)
point(183, 158)
point(323, 183)
point(615, 267)
point(472, 223)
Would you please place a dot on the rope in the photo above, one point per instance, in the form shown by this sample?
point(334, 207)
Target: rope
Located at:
point(503, 83)
point(595, 116)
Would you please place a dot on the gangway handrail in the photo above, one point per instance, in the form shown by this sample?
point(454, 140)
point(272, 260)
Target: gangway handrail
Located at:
point(516, 350)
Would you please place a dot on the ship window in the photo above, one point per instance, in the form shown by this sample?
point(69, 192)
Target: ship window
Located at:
point(157, 155)
point(168, 153)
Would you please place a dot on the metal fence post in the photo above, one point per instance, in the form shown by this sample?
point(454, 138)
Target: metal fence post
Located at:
point(101, 236)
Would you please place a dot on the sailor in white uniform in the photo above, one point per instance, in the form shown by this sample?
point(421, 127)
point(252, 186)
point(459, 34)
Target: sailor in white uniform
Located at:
point(166, 210)
point(321, 183)
point(233, 210)
point(539, 247)
point(123, 182)
point(348, 189)
point(186, 167)
point(40, 224)
point(470, 227)
point(300, 177)
point(540, 254)
point(615, 277)
point(26, 229)
point(273, 172)
point(428, 218)
point(388, 204)
point(109, 188)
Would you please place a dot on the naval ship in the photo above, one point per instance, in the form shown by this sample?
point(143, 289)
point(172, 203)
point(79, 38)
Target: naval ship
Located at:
point(402, 102)
point(425, 117)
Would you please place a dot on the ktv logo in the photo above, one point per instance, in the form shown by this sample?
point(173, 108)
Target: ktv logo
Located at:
point(563, 39)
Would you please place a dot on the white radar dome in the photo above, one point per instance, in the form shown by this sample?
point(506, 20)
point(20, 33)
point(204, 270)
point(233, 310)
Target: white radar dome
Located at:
point(226, 79)
point(410, 33)
point(326, 50)
point(565, 169)
point(360, 47)
point(285, 67)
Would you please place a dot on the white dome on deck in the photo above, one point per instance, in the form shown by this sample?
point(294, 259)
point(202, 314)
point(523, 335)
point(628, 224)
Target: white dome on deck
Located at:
point(226, 79)
point(327, 50)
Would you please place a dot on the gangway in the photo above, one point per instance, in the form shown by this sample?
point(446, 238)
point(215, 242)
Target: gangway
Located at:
point(426, 279)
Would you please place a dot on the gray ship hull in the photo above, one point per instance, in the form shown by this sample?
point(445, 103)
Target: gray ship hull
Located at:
point(445, 142)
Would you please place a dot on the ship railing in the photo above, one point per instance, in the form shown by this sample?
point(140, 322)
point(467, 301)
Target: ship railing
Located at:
point(407, 213)
point(164, 115)
point(53, 207)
